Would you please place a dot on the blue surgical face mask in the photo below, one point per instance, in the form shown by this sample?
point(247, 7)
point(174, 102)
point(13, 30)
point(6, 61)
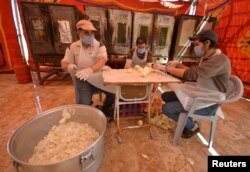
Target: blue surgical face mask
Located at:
point(141, 50)
point(88, 39)
point(198, 51)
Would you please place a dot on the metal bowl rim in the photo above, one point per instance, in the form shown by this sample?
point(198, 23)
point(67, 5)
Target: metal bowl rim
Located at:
point(45, 113)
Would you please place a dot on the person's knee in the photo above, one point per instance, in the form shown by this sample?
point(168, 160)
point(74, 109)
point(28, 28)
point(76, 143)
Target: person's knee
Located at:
point(168, 96)
point(166, 109)
point(163, 96)
point(110, 99)
point(85, 100)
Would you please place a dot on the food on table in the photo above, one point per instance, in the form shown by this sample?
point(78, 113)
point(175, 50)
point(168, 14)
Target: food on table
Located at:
point(144, 71)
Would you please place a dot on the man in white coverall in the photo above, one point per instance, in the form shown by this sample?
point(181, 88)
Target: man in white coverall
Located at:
point(82, 59)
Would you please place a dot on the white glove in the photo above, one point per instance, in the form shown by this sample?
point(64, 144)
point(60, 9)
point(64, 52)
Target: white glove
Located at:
point(71, 67)
point(84, 74)
point(173, 63)
point(159, 66)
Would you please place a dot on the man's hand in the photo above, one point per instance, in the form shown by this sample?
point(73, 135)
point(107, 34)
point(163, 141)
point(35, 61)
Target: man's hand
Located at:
point(173, 63)
point(71, 67)
point(159, 66)
point(84, 74)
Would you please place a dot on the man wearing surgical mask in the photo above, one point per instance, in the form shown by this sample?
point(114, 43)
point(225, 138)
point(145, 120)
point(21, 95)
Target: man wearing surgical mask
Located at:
point(211, 73)
point(139, 55)
point(83, 58)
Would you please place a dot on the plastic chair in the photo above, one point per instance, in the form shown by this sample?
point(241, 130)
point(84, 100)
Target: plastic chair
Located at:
point(234, 93)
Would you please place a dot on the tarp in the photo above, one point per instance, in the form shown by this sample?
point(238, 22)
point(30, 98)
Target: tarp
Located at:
point(233, 29)
point(136, 5)
point(10, 53)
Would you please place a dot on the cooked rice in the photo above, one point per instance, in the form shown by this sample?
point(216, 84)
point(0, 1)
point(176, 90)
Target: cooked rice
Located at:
point(63, 141)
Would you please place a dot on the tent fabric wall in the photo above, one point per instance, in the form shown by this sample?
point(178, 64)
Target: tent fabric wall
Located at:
point(233, 30)
point(136, 5)
point(10, 53)
point(234, 33)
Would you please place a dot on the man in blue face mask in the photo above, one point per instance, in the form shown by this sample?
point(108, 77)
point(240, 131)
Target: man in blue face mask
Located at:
point(211, 74)
point(139, 55)
point(82, 59)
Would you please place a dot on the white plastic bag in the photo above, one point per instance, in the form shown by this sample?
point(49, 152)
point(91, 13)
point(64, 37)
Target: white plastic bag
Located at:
point(186, 93)
point(96, 79)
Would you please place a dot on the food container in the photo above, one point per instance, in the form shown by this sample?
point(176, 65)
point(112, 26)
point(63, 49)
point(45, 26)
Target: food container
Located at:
point(24, 139)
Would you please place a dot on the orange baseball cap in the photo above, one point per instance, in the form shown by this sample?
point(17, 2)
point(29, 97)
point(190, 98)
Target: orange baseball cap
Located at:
point(85, 25)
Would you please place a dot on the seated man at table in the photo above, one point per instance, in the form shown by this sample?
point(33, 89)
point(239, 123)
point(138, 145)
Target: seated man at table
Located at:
point(140, 55)
point(212, 74)
point(82, 59)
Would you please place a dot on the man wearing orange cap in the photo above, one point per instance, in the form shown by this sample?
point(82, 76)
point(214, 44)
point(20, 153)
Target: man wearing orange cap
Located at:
point(83, 58)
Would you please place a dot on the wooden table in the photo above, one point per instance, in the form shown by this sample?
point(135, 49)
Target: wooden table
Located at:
point(123, 77)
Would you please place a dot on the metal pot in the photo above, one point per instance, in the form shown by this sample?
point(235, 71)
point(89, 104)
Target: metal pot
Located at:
point(23, 140)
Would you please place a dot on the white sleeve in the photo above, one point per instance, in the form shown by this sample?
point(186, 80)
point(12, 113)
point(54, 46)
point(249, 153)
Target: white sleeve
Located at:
point(102, 52)
point(69, 56)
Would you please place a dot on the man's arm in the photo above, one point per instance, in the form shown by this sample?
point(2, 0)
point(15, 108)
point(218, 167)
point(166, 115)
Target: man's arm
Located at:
point(129, 59)
point(181, 66)
point(102, 58)
point(64, 65)
point(176, 71)
point(84, 74)
point(128, 64)
point(67, 59)
point(98, 65)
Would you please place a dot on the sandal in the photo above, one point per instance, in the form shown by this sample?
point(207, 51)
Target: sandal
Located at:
point(187, 133)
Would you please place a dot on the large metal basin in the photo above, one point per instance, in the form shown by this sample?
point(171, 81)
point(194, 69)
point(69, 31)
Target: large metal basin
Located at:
point(23, 140)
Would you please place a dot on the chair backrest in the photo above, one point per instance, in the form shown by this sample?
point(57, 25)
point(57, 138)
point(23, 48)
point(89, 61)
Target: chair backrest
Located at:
point(235, 89)
point(234, 93)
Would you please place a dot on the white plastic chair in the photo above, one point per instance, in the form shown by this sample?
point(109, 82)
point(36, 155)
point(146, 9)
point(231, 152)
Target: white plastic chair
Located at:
point(234, 93)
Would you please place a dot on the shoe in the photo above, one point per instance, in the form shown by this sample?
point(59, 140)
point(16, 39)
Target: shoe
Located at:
point(189, 133)
point(108, 111)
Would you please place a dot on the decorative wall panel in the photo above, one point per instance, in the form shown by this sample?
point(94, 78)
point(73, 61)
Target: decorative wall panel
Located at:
point(63, 21)
point(143, 26)
point(186, 26)
point(50, 28)
point(162, 36)
point(98, 17)
point(120, 25)
point(37, 22)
